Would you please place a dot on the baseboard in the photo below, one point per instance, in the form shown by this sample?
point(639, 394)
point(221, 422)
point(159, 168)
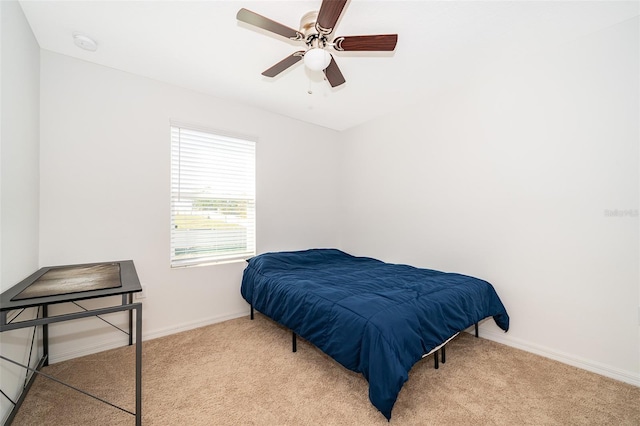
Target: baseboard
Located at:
point(190, 326)
point(589, 365)
point(116, 342)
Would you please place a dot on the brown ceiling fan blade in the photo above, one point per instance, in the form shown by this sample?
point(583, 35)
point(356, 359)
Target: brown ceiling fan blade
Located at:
point(260, 21)
point(284, 64)
point(333, 74)
point(328, 15)
point(369, 43)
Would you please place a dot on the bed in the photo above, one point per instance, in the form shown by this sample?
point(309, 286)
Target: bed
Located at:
point(374, 318)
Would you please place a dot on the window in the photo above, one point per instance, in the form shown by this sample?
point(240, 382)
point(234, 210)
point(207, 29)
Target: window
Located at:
point(212, 197)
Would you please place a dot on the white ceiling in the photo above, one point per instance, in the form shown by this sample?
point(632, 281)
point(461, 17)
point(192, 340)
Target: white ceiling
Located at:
point(201, 46)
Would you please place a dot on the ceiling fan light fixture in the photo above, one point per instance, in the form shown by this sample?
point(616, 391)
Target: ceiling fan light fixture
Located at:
point(317, 59)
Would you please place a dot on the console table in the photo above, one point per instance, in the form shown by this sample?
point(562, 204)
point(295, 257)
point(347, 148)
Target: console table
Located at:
point(70, 284)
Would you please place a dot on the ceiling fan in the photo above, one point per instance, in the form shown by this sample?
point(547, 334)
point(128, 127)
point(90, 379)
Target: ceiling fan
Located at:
point(316, 29)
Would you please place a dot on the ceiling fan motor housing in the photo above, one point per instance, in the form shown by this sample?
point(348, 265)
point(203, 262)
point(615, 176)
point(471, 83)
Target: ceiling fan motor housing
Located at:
point(308, 23)
point(308, 29)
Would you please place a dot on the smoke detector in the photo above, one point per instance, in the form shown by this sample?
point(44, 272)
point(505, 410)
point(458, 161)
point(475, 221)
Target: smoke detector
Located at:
point(84, 42)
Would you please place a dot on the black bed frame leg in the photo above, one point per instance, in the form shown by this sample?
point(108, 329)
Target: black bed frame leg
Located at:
point(435, 357)
point(443, 359)
point(294, 342)
point(476, 325)
point(251, 311)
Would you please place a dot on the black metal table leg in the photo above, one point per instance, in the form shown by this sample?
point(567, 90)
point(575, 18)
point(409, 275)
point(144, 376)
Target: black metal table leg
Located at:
point(128, 298)
point(138, 364)
point(45, 336)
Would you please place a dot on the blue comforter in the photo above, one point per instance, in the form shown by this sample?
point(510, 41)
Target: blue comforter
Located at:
point(372, 317)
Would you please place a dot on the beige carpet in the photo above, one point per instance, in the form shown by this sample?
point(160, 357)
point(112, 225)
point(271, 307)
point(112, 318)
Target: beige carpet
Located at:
point(242, 372)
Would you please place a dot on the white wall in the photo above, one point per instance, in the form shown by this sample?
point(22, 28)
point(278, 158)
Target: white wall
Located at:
point(105, 180)
point(19, 193)
point(20, 144)
point(508, 178)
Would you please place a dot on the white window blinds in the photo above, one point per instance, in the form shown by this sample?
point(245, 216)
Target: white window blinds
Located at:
point(212, 197)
